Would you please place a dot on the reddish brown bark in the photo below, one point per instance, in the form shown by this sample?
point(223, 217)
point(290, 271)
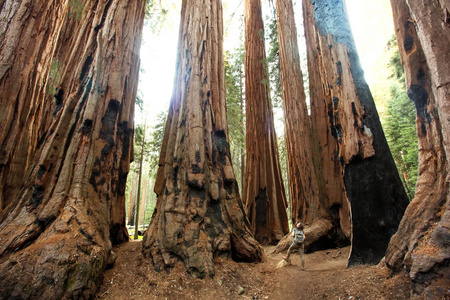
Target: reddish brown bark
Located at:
point(419, 243)
point(309, 203)
point(341, 98)
point(56, 234)
point(198, 214)
point(29, 30)
point(327, 163)
point(264, 194)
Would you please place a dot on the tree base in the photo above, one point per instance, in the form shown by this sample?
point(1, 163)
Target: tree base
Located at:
point(54, 270)
point(313, 233)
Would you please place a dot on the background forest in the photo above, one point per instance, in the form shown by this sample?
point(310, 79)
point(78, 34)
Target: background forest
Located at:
point(379, 56)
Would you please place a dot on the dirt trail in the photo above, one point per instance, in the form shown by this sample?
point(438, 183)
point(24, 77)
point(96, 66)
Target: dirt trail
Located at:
point(325, 277)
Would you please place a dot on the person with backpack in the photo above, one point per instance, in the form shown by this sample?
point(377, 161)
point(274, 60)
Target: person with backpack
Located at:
point(298, 243)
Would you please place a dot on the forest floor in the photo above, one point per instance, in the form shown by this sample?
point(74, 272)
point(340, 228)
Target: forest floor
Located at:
point(325, 277)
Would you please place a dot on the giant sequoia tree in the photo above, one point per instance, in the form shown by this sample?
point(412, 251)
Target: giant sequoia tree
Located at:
point(198, 214)
point(65, 157)
point(264, 194)
point(304, 190)
point(421, 243)
point(20, 79)
point(342, 100)
point(315, 206)
point(327, 163)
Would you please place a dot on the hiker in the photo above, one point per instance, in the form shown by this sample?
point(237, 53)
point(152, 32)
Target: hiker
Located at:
point(299, 237)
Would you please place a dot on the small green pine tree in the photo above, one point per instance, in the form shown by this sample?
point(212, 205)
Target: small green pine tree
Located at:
point(400, 124)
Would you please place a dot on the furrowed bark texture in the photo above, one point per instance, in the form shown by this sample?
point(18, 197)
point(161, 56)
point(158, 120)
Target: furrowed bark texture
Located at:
point(326, 160)
point(29, 31)
point(420, 244)
point(198, 214)
point(57, 232)
point(264, 195)
point(304, 189)
point(372, 183)
point(309, 203)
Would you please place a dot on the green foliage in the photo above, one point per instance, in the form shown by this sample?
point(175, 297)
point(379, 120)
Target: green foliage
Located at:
point(76, 9)
point(158, 13)
point(273, 60)
point(395, 62)
point(284, 166)
point(274, 70)
point(139, 102)
point(156, 141)
point(131, 232)
point(234, 86)
point(152, 137)
point(400, 125)
point(53, 76)
point(139, 139)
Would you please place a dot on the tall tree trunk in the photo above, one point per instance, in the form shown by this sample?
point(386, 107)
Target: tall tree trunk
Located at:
point(24, 67)
point(308, 202)
point(198, 214)
point(57, 232)
point(419, 244)
point(326, 160)
point(372, 183)
point(264, 194)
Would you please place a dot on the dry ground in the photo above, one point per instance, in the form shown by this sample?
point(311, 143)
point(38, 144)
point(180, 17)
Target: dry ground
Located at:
point(325, 277)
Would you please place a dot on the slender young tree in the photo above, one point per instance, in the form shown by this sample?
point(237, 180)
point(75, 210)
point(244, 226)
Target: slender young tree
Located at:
point(344, 102)
point(137, 215)
point(131, 199)
point(420, 246)
point(264, 194)
point(57, 231)
point(198, 214)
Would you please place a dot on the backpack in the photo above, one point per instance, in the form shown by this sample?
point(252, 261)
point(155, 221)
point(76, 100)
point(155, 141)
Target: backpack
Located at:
point(299, 237)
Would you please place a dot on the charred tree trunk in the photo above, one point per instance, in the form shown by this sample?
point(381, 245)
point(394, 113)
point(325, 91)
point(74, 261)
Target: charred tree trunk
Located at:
point(419, 244)
point(57, 232)
point(326, 160)
point(264, 194)
point(372, 183)
point(308, 202)
point(198, 214)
